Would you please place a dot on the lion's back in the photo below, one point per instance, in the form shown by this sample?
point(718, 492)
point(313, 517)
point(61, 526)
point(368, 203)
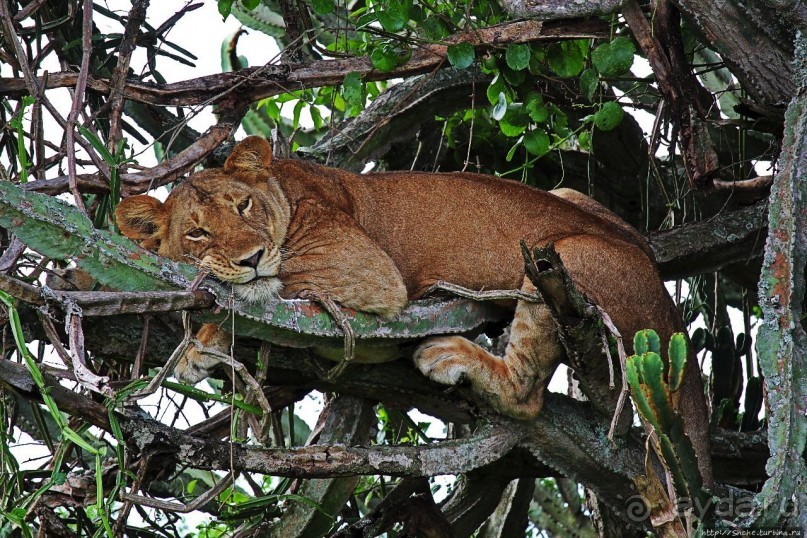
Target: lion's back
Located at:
point(467, 228)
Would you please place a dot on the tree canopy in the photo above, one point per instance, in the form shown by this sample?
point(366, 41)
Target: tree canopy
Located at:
point(685, 117)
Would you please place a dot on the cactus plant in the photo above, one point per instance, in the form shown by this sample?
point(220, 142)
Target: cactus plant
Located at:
point(58, 230)
point(652, 385)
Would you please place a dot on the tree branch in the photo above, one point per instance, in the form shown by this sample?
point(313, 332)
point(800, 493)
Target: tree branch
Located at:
point(136, 17)
point(255, 83)
point(758, 51)
point(397, 114)
point(165, 172)
point(707, 246)
point(78, 99)
point(662, 44)
point(561, 9)
point(110, 303)
point(397, 384)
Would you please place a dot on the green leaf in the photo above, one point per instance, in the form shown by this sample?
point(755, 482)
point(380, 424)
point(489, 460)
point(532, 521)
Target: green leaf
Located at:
point(536, 109)
point(496, 89)
point(510, 129)
point(500, 108)
point(59, 478)
point(202, 396)
point(316, 117)
point(351, 89)
point(296, 114)
point(537, 142)
point(614, 58)
point(322, 7)
point(588, 83)
point(512, 152)
point(560, 121)
point(584, 139)
point(678, 359)
point(514, 78)
point(514, 121)
point(434, 28)
point(17, 516)
point(384, 58)
point(416, 14)
point(99, 146)
point(225, 7)
point(461, 55)
point(609, 116)
point(565, 58)
point(394, 16)
point(272, 110)
point(518, 56)
point(262, 19)
point(250, 4)
point(78, 440)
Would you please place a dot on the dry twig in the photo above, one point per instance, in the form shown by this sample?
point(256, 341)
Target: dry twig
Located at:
point(78, 99)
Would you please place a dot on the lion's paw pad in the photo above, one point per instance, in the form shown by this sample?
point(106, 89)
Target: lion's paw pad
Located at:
point(442, 359)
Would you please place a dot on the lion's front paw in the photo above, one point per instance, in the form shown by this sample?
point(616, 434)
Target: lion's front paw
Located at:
point(194, 366)
point(445, 359)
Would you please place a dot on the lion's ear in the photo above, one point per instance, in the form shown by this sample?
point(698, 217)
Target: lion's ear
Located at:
point(142, 219)
point(252, 154)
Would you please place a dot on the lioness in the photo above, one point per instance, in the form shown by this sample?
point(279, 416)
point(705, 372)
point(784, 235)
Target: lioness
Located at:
point(373, 242)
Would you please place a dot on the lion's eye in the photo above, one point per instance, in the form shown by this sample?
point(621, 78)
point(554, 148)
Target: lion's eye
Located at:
point(196, 234)
point(244, 206)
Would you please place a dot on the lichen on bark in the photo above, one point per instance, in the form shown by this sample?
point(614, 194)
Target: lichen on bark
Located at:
point(782, 341)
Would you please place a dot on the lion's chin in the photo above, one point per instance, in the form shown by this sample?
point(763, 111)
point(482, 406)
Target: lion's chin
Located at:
point(260, 290)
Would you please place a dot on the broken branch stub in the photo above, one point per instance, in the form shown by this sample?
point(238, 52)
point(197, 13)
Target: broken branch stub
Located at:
point(579, 330)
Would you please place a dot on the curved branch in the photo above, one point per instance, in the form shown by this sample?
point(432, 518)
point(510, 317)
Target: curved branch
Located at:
point(397, 114)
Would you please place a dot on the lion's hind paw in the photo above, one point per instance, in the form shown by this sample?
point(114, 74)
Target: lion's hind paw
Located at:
point(445, 359)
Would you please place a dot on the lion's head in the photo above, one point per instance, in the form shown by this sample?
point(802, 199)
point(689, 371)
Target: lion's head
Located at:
point(230, 220)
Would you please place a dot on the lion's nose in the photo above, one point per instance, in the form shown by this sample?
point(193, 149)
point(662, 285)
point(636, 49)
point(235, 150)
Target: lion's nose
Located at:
point(252, 261)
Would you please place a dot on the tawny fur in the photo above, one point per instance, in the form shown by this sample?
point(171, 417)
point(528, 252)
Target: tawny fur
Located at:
point(372, 242)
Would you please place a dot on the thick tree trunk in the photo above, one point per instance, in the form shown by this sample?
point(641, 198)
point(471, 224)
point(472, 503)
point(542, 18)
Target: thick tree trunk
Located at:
point(782, 341)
